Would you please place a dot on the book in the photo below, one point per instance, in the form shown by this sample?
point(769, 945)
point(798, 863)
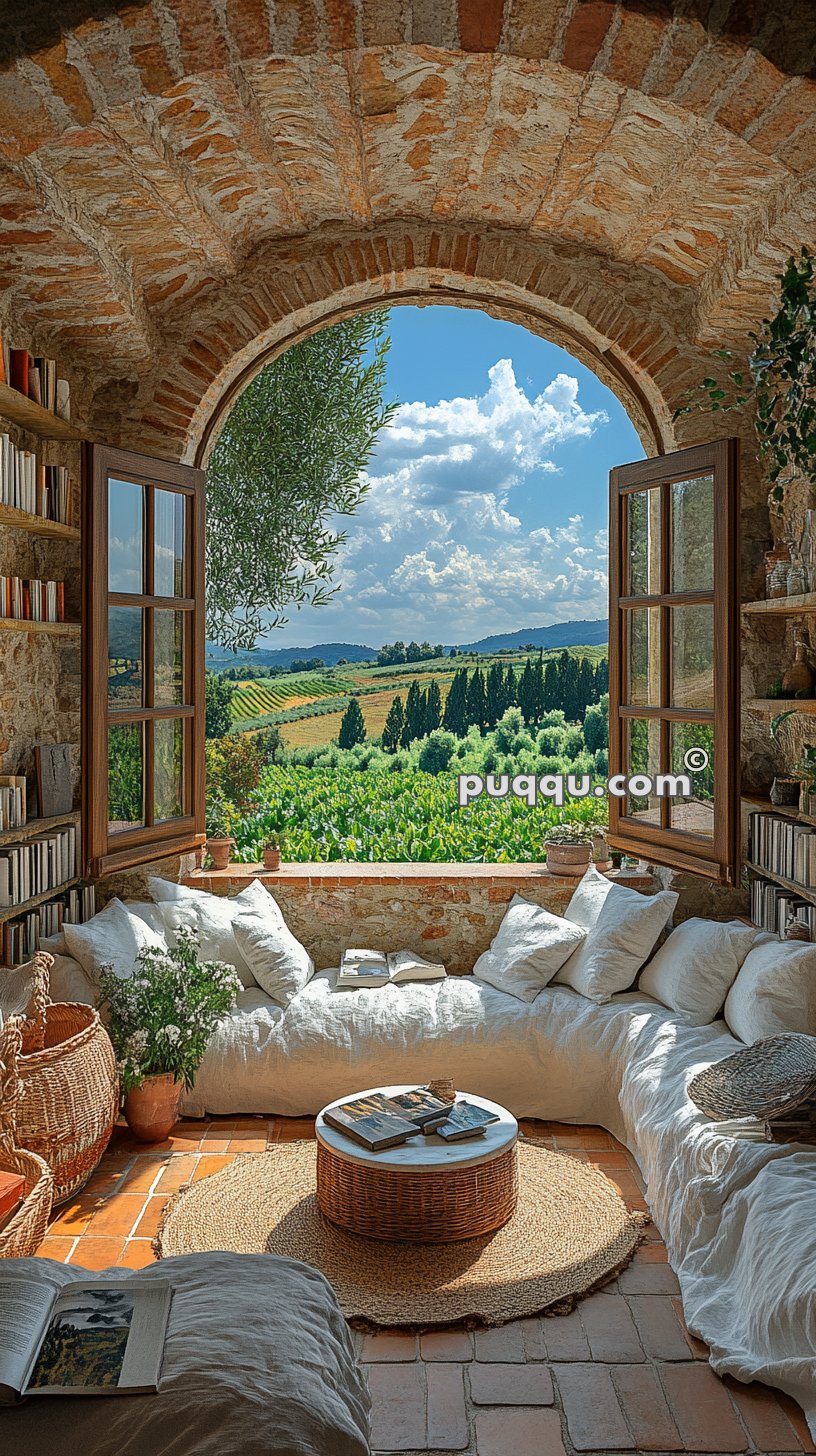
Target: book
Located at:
point(373, 1121)
point(97, 1337)
point(374, 968)
point(420, 1106)
point(465, 1120)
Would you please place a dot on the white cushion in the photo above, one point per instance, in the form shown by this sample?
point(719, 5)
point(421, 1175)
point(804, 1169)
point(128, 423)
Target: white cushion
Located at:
point(529, 947)
point(774, 991)
point(621, 927)
point(694, 969)
point(114, 938)
point(278, 961)
point(210, 916)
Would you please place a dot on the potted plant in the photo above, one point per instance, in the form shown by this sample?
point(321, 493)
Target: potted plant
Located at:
point(569, 849)
point(219, 840)
point(272, 851)
point(806, 769)
point(160, 1021)
point(600, 846)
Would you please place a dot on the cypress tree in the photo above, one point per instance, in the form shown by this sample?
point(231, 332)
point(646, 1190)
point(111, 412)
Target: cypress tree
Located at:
point(414, 724)
point(527, 692)
point(495, 694)
point(392, 730)
point(601, 678)
point(510, 688)
point(433, 707)
point(352, 727)
point(552, 685)
point(586, 685)
point(477, 699)
point(455, 715)
point(569, 686)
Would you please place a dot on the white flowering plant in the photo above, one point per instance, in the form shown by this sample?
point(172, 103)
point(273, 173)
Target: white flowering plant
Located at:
point(162, 1017)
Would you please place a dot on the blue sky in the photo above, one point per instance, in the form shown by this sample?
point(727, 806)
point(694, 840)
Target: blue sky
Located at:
point(487, 507)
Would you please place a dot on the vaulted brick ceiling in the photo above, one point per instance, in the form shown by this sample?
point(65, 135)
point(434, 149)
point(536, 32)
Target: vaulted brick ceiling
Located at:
point(160, 162)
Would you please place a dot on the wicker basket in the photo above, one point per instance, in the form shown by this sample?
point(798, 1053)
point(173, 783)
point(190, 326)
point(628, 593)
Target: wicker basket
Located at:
point(23, 1235)
point(769, 1079)
point(69, 1094)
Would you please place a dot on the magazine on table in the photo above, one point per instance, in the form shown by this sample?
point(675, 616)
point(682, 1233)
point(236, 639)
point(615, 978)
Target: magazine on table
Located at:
point(420, 1106)
point(465, 1120)
point(374, 968)
point(87, 1338)
point(373, 1121)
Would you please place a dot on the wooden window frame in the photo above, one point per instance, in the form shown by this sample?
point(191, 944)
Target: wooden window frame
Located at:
point(716, 858)
point(105, 852)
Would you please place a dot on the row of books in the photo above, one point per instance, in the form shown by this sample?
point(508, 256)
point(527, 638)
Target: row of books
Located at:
point(773, 908)
point(44, 863)
point(783, 847)
point(35, 376)
point(13, 811)
point(25, 599)
point(20, 938)
point(381, 1122)
point(29, 485)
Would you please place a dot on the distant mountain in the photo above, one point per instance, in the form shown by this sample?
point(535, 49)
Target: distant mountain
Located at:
point(560, 634)
point(331, 652)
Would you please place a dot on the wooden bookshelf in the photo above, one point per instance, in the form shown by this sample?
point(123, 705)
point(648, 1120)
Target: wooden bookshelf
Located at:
point(14, 912)
point(781, 606)
point(802, 891)
point(37, 525)
point(33, 827)
point(60, 629)
point(33, 417)
point(781, 705)
point(762, 803)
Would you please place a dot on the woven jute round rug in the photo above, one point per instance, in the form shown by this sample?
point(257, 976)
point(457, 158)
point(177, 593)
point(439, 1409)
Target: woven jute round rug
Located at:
point(570, 1233)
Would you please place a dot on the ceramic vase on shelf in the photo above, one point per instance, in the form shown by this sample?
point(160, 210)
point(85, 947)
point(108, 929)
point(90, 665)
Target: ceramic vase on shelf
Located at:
point(151, 1110)
point(798, 680)
point(784, 793)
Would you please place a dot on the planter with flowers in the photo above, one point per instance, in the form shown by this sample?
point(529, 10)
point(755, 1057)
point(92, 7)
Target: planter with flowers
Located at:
point(569, 849)
point(160, 1021)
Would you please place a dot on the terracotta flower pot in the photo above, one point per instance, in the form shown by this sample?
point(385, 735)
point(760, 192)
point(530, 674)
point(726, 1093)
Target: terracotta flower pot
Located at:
point(151, 1110)
point(271, 859)
point(568, 859)
point(219, 851)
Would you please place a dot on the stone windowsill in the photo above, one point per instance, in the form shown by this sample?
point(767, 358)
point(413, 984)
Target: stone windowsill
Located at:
point(316, 874)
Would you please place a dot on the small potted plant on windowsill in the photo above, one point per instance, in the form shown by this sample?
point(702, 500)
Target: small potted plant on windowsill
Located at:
point(569, 849)
point(160, 1020)
point(600, 847)
point(272, 851)
point(219, 840)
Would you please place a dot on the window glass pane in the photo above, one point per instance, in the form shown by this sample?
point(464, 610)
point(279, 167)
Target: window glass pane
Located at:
point(169, 768)
point(643, 509)
point(125, 536)
point(644, 656)
point(169, 658)
point(692, 675)
point(643, 739)
point(694, 814)
point(692, 533)
point(125, 776)
point(169, 563)
point(125, 657)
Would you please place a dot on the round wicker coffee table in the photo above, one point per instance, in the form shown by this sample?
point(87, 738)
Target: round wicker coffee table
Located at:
point(424, 1190)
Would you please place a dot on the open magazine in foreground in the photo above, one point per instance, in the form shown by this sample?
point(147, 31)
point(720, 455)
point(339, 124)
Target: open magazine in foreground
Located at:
point(88, 1338)
point(373, 968)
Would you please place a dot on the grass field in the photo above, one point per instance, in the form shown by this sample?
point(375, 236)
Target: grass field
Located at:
point(258, 696)
point(314, 732)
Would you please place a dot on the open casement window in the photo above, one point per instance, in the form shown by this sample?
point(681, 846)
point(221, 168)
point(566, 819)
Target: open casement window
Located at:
point(143, 659)
point(673, 656)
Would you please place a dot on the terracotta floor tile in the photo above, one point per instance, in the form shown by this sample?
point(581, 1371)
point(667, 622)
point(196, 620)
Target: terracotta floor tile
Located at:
point(247, 1144)
point(495, 1384)
point(93, 1253)
point(291, 1129)
point(797, 1419)
point(698, 1348)
point(610, 1329)
point(645, 1410)
point(72, 1218)
point(646, 1278)
point(564, 1337)
point(148, 1225)
point(654, 1252)
point(595, 1420)
point(143, 1172)
point(210, 1163)
point(398, 1421)
point(116, 1217)
point(446, 1345)
point(532, 1335)
point(763, 1416)
point(504, 1343)
point(658, 1330)
point(218, 1143)
point(137, 1253)
point(179, 1142)
point(446, 1412)
point(178, 1171)
point(388, 1345)
point(609, 1158)
point(702, 1408)
point(518, 1433)
point(58, 1248)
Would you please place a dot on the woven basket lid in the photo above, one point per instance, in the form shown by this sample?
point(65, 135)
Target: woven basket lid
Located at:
point(768, 1079)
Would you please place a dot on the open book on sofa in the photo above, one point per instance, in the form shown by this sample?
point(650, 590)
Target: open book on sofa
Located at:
point(374, 968)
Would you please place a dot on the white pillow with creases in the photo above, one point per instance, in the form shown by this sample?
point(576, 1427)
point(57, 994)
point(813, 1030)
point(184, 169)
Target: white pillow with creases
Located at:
point(696, 966)
point(210, 916)
point(278, 961)
point(114, 938)
point(622, 928)
point(775, 990)
point(529, 947)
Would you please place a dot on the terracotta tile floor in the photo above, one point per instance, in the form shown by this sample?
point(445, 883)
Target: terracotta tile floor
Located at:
point(620, 1373)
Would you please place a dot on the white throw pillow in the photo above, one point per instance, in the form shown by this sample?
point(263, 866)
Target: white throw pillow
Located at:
point(529, 947)
point(210, 916)
point(278, 961)
point(622, 927)
point(697, 965)
point(774, 991)
point(114, 938)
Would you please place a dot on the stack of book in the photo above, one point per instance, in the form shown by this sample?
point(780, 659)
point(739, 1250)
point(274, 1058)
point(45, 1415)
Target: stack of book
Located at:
point(379, 1121)
point(35, 376)
point(20, 938)
point(783, 847)
point(12, 801)
point(28, 600)
point(773, 907)
point(29, 485)
point(43, 864)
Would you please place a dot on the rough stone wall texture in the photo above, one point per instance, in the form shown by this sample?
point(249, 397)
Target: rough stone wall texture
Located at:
point(187, 188)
